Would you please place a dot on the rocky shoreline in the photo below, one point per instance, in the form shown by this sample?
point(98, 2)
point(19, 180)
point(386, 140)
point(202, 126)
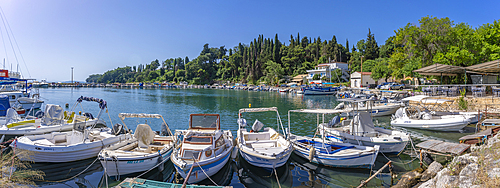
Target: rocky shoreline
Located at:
point(479, 168)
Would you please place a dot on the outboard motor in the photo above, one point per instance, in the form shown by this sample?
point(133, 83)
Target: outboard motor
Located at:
point(119, 129)
point(164, 130)
point(257, 126)
point(383, 100)
point(335, 120)
point(88, 115)
point(39, 114)
point(242, 122)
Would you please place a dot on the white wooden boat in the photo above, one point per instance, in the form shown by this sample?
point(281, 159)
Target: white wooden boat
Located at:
point(359, 131)
point(427, 120)
point(334, 154)
point(141, 152)
point(419, 117)
point(376, 109)
point(268, 148)
point(204, 148)
point(67, 146)
point(54, 119)
point(80, 143)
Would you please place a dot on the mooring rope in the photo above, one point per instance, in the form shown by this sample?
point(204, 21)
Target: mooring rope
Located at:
point(204, 172)
point(276, 175)
point(67, 179)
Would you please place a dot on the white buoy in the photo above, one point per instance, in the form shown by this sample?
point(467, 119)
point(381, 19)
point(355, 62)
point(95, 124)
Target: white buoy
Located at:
point(311, 153)
point(234, 153)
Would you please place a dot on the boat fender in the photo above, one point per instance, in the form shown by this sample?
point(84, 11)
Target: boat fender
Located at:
point(311, 153)
point(234, 153)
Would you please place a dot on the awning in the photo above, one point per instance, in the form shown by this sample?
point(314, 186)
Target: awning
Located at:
point(488, 67)
point(441, 69)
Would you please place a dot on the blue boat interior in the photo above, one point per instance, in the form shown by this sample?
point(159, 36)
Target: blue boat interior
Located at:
point(323, 147)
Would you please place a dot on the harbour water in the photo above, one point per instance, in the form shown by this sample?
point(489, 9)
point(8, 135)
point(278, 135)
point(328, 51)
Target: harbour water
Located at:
point(175, 105)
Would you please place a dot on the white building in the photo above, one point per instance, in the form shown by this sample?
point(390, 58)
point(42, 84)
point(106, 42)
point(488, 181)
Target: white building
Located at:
point(356, 79)
point(325, 69)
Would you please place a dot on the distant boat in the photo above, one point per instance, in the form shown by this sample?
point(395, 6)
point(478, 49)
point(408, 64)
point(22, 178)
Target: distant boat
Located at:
point(319, 90)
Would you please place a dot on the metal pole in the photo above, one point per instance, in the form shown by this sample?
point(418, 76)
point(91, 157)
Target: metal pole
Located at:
point(72, 76)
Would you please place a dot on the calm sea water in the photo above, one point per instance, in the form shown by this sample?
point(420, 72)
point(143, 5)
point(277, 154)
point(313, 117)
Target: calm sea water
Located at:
point(175, 105)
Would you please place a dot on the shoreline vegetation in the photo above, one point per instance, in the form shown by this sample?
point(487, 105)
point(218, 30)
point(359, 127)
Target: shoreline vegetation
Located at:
point(267, 60)
point(16, 173)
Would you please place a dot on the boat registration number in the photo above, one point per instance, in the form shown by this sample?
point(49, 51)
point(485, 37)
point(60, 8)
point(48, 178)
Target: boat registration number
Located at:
point(132, 162)
point(407, 122)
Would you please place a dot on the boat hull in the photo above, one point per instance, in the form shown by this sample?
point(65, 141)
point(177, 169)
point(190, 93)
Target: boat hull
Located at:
point(312, 92)
point(210, 167)
point(264, 162)
point(123, 166)
point(448, 124)
point(393, 144)
point(376, 111)
point(355, 161)
point(62, 153)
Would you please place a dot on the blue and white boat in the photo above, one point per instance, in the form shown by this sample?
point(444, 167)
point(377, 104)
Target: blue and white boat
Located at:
point(358, 131)
point(319, 90)
point(139, 153)
point(263, 148)
point(334, 154)
point(204, 148)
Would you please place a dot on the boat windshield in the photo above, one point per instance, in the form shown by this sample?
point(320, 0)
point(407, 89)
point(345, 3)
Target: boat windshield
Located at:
point(205, 121)
point(199, 139)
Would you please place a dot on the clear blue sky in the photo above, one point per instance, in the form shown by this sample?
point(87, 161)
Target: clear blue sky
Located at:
point(94, 36)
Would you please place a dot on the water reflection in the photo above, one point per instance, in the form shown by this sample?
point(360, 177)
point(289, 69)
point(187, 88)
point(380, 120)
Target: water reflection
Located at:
point(313, 175)
point(61, 173)
point(252, 176)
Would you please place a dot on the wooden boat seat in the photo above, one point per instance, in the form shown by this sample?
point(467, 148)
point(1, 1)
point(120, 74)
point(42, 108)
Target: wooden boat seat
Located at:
point(262, 145)
point(269, 150)
point(129, 147)
point(256, 136)
point(43, 142)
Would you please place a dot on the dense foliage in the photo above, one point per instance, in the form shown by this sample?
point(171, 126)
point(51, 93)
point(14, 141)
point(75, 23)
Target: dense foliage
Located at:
point(432, 40)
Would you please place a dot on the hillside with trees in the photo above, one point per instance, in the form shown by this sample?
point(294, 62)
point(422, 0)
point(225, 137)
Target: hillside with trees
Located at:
point(432, 40)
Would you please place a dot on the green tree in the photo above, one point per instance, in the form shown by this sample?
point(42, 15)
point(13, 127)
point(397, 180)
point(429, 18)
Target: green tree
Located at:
point(274, 72)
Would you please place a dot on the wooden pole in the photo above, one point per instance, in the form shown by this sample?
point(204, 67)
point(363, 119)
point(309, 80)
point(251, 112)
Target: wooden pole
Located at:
point(376, 173)
point(187, 177)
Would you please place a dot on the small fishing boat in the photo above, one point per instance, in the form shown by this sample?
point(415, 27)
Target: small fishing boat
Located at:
point(203, 149)
point(141, 152)
point(268, 148)
point(81, 143)
point(319, 90)
point(376, 108)
point(334, 154)
point(53, 119)
point(412, 116)
point(358, 131)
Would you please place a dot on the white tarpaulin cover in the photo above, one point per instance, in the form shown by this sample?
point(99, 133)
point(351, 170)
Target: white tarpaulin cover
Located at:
point(362, 124)
point(53, 114)
point(11, 116)
point(144, 134)
point(132, 115)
